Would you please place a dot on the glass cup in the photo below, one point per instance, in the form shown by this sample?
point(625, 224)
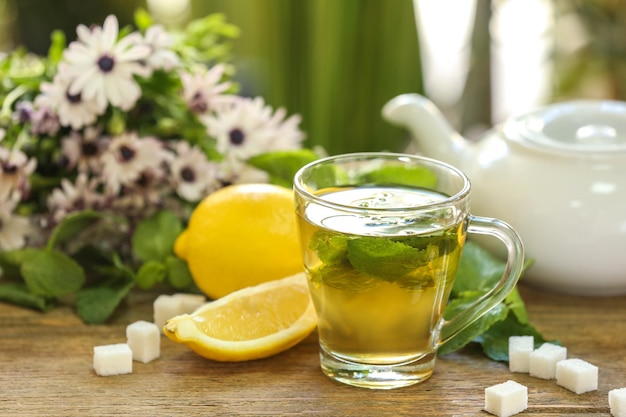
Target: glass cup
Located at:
point(381, 236)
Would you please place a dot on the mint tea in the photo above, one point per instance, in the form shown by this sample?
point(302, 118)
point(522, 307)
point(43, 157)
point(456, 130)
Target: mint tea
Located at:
point(379, 283)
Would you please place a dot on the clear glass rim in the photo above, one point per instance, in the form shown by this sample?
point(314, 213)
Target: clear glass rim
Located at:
point(301, 189)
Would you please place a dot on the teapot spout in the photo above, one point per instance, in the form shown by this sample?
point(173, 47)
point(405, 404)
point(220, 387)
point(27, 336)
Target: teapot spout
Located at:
point(434, 135)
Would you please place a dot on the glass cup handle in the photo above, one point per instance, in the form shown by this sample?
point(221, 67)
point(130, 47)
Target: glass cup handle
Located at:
point(512, 273)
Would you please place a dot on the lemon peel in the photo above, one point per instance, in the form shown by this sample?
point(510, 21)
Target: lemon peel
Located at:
point(241, 235)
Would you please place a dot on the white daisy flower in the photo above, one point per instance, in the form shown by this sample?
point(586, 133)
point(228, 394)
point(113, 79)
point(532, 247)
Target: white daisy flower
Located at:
point(83, 150)
point(161, 57)
point(71, 109)
point(77, 196)
point(128, 157)
point(14, 229)
point(243, 129)
point(193, 175)
point(288, 134)
point(202, 90)
point(102, 67)
point(15, 168)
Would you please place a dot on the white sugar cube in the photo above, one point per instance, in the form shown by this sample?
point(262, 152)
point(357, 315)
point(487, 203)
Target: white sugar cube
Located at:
point(542, 361)
point(144, 339)
point(189, 302)
point(116, 359)
point(165, 307)
point(617, 402)
point(520, 348)
point(577, 375)
point(506, 399)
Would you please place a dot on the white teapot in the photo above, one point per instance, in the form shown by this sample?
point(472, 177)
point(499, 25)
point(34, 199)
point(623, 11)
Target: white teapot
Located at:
point(557, 175)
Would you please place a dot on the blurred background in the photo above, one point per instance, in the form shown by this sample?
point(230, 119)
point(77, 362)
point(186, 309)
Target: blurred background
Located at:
point(338, 62)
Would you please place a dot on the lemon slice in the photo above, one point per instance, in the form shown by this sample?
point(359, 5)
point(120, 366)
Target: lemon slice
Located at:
point(251, 323)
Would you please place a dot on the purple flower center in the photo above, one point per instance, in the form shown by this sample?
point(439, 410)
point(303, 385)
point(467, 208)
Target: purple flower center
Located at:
point(80, 204)
point(73, 98)
point(127, 153)
point(89, 149)
point(188, 174)
point(198, 103)
point(9, 168)
point(143, 180)
point(106, 63)
point(237, 137)
point(24, 113)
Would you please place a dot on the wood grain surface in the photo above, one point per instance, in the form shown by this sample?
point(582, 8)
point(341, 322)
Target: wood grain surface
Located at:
point(46, 370)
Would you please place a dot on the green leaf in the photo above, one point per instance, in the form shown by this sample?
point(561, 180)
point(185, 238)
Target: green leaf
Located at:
point(50, 273)
point(96, 304)
point(19, 294)
point(283, 165)
point(344, 277)
point(10, 262)
point(329, 176)
point(178, 274)
point(386, 258)
point(101, 266)
point(516, 305)
point(154, 237)
point(495, 340)
point(58, 43)
point(71, 225)
point(496, 314)
point(143, 19)
point(478, 272)
point(125, 272)
point(151, 273)
point(402, 175)
point(206, 39)
point(478, 269)
point(331, 247)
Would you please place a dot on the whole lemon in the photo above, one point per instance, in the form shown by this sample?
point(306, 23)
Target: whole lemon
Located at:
point(240, 236)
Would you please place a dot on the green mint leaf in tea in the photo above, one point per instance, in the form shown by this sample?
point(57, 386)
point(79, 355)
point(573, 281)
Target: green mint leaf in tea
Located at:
point(331, 248)
point(342, 276)
point(387, 259)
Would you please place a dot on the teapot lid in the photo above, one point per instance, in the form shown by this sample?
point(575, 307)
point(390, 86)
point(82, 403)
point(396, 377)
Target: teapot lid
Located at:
point(579, 127)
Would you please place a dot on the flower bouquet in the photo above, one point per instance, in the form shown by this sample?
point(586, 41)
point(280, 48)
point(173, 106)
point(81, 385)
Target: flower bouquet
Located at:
point(106, 146)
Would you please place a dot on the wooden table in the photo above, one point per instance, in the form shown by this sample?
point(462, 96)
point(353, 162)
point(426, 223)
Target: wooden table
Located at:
point(46, 370)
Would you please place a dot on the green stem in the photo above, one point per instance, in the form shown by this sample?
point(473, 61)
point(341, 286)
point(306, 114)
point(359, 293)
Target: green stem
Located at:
point(10, 99)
